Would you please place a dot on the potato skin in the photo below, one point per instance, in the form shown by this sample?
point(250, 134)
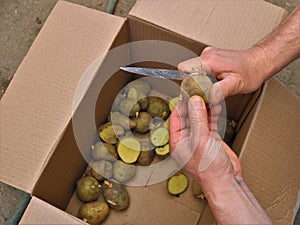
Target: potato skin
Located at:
point(158, 107)
point(94, 212)
point(129, 107)
point(147, 154)
point(102, 170)
point(88, 189)
point(123, 172)
point(120, 119)
point(197, 84)
point(115, 195)
point(106, 151)
point(110, 133)
point(142, 122)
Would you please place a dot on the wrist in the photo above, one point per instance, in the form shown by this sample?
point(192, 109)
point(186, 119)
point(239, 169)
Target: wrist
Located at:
point(222, 194)
point(211, 184)
point(262, 62)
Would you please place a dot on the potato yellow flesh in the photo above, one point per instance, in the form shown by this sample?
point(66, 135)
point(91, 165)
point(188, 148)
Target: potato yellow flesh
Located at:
point(129, 149)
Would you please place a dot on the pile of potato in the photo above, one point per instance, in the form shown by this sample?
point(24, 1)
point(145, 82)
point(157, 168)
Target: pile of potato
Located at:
point(135, 133)
point(137, 126)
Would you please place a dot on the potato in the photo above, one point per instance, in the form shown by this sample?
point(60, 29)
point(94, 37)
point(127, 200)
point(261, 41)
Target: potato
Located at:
point(147, 154)
point(177, 184)
point(119, 98)
point(172, 103)
point(231, 126)
point(196, 190)
point(140, 85)
point(143, 100)
point(167, 123)
point(129, 149)
point(94, 212)
point(156, 122)
point(102, 150)
point(88, 189)
point(159, 136)
point(163, 151)
point(133, 94)
point(117, 118)
point(129, 107)
point(115, 195)
point(197, 84)
point(158, 107)
point(110, 133)
point(142, 137)
point(123, 172)
point(102, 170)
point(142, 122)
point(88, 171)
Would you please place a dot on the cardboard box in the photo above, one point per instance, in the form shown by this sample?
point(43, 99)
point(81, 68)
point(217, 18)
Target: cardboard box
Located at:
point(39, 153)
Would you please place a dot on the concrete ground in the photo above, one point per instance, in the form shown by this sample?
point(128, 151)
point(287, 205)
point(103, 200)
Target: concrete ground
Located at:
point(21, 21)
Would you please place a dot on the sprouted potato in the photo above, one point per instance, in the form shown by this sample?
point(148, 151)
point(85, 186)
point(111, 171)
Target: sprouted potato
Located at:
point(88, 189)
point(94, 212)
point(115, 195)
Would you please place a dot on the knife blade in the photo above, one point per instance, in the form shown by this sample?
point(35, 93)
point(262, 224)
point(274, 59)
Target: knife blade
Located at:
point(162, 73)
point(159, 73)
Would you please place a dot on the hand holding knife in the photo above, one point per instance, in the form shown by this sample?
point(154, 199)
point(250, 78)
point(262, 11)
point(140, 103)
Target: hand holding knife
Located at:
point(196, 83)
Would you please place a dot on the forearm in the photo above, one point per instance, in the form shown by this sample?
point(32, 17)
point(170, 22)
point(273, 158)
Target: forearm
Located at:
point(232, 202)
point(281, 47)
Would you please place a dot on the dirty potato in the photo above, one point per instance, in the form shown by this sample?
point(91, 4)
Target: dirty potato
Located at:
point(88, 189)
point(115, 195)
point(93, 212)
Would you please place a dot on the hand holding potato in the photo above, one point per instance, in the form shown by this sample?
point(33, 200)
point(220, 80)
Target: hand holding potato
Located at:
point(196, 145)
point(239, 72)
point(194, 140)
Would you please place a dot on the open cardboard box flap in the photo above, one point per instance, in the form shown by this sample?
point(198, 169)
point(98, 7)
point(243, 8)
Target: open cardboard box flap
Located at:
point(270, 153)
point(223, 24)
point(40, 212)
point(37, 107)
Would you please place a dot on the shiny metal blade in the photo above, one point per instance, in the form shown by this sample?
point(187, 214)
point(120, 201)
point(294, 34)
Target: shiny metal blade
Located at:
point(159, 73)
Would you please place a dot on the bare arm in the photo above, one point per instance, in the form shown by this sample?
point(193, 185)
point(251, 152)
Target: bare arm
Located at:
point(282, 46)
point(233, 203)
point(244, 71)
point(239, 72)
point(212, 164)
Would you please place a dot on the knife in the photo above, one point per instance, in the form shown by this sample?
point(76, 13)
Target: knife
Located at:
point(161, 73)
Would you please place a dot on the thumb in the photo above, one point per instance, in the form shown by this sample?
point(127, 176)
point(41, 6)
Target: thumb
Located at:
point(198, 119)
point(230, 85)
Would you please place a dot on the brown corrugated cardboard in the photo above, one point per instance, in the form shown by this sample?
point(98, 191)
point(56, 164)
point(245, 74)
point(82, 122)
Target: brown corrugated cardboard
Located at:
point(274, 180)
point(223, 24)
point(37, 108)
point(269, 152)
point(40, 212)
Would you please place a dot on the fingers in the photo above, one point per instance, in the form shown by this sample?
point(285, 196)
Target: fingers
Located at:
point(229, 85)
point(198, 119)
point(178, 117)
point(194, 64)
point(178, 123)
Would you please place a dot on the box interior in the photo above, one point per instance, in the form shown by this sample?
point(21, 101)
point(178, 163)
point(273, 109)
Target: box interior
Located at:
point(67, 164)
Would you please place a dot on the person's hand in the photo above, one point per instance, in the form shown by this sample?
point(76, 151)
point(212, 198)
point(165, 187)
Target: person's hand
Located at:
point(196, 145)
point(239, 72)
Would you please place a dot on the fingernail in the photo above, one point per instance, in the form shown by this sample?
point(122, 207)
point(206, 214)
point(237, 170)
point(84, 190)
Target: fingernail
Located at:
point(197, 103)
